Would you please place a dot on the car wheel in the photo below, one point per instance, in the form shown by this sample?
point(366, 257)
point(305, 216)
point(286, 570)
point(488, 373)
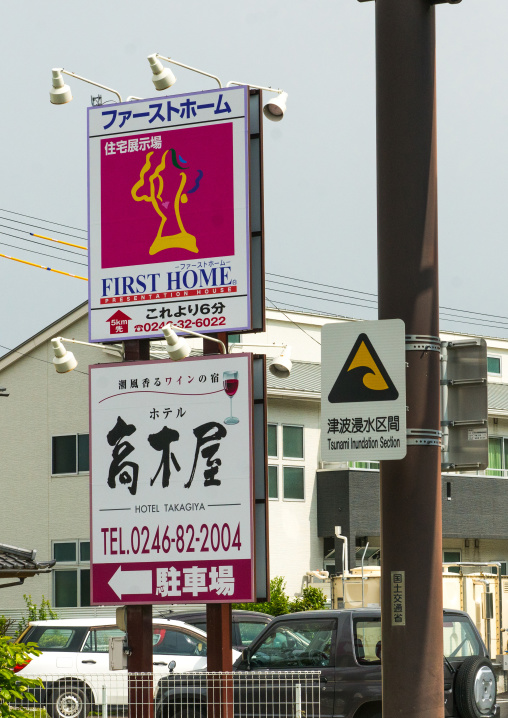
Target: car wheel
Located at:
point(475, 688)
point(69, 701)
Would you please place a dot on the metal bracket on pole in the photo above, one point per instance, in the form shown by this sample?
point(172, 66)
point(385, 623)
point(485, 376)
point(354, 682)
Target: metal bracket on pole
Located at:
point(422, 343)
point(463, 382)
point(423, 437)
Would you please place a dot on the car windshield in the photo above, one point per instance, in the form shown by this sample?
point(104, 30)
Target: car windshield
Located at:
point(52, 639)
point(297, 643)
point(459, 638)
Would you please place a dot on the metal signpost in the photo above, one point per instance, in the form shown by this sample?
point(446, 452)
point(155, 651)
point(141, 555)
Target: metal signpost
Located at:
point(363, 391)
point(464, 405)
point(176, 235)
point(172, 481)
point(175, 227)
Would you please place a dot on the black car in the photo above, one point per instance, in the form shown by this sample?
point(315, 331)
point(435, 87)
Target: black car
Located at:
point(246, 624)
point(344, 646)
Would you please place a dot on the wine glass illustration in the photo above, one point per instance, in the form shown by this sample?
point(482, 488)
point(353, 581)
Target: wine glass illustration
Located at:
point(230, 379)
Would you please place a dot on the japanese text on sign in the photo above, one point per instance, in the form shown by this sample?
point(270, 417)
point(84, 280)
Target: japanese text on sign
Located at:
point(398, 598)
point(166, 112)
point(171, 475)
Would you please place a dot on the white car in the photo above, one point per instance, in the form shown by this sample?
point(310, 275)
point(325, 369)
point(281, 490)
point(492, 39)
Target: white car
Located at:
point(74, 663)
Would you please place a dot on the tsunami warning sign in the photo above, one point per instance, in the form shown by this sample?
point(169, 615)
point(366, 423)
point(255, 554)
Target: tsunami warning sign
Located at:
point(363, 391)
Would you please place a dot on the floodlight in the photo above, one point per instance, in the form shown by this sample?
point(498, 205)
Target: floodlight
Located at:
point(281, 365)
point(162, 77)
point(60, 93)
point(63, 360)
point(274, 109)
point(177, 347)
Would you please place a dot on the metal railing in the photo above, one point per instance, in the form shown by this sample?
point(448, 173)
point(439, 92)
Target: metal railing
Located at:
point(198, 694)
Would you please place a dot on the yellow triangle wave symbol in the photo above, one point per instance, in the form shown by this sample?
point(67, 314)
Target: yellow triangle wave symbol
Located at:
point(364, 358)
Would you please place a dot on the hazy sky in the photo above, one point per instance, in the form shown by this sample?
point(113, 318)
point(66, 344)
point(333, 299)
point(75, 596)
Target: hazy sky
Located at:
point(320, 194)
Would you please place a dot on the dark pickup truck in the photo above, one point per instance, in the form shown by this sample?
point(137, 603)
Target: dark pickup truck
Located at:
point(345, 647)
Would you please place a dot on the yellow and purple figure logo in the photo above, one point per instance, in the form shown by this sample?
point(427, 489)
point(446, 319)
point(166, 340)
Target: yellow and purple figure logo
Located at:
point(168, 196)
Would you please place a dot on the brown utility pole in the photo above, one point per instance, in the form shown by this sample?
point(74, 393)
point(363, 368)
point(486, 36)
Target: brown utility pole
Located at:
point(411, 533)
point(139, 617)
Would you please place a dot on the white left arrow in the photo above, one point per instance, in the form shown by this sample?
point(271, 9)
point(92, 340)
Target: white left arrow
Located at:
point(132, 582)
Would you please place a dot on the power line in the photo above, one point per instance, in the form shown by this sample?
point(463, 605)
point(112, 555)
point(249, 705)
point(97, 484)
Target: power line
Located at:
point(284, 284)
point(296, 325)
point(372, 294)
point(58, 241)
point(289, 306)
point(452, 319)
point(321, 299)
point(320, 284)
point(46, 229)
point(48, 221)
point(43, 254)
point(33, 241)
point(41, 266)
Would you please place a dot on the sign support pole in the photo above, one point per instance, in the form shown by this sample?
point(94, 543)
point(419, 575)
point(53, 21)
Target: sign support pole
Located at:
point(139, 617)
point(411, 530)
point(219, 625)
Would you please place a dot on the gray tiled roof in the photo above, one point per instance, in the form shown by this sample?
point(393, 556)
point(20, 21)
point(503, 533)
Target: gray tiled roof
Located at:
point(20, 563)
point(305, 376)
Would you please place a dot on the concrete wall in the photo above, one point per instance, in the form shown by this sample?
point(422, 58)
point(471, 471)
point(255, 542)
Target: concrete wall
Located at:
point(294, 543)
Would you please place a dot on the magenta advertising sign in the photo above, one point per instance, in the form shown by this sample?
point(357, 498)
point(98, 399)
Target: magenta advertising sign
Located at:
point(169, 215)
point(172, 481)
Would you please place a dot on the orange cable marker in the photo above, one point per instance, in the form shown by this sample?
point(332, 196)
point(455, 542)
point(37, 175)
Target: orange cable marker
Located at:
point(40, 266)
point(60, 241)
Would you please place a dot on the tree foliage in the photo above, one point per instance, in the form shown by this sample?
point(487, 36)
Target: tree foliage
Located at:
point(35, 613)
point(312, 599)
point(15, 688)
point(5, 625)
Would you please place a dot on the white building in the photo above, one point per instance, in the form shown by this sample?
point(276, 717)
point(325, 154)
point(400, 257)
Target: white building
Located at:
point(45, 483)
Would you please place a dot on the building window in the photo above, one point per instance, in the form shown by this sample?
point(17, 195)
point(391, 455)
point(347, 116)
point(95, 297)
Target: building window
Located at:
point(498, 456)
point(503, 568)
point(234, 339)
point(292, 442)
point(69, 454)
point(494, 365)
point(272, 440)
point(452, 557)
point(293, 483)
point(273, 482)
point(71, 575)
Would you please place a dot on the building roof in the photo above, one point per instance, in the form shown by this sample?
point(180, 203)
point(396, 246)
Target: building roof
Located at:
point(304, 381)
point(20, 563)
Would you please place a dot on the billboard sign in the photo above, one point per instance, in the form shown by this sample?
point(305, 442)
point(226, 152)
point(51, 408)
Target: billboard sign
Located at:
point(169, 215)
point(363, 391)
point(172, 481)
